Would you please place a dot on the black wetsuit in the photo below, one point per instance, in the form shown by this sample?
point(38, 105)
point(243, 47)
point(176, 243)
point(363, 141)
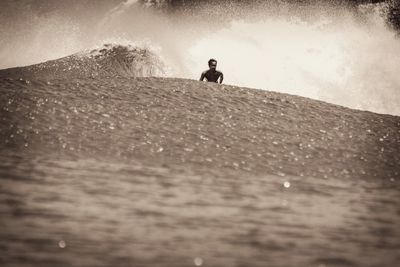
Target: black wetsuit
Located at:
point(212, 75)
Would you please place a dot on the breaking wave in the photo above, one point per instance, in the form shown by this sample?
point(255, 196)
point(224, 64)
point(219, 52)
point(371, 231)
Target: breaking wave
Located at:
point(123, 60)
point(344, 56)
point(107, 60)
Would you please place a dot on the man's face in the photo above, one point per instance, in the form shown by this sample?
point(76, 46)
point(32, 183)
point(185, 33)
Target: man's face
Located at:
point(213, 65)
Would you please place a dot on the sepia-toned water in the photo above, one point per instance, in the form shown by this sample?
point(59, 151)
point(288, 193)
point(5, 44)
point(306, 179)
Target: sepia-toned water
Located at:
point(102, 167)
point(170, 172)
point(58, 212)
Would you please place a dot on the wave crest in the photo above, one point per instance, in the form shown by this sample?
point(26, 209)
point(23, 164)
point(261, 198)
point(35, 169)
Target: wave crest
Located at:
point(126, 60)
point(109, 60)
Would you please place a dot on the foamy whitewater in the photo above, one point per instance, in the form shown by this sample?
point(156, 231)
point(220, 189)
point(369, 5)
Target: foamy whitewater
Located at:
point(346, 57)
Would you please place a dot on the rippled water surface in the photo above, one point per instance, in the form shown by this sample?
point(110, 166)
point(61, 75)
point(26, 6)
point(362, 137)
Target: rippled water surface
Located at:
point(112, 171)
point(58, 212)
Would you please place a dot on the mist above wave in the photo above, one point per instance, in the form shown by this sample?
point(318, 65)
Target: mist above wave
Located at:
point(339, 54)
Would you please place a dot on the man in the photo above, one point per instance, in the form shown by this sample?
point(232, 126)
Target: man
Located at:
point(212, 75)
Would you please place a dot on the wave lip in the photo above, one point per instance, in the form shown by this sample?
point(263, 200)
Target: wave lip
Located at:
point(125, 60)
point(109, 60)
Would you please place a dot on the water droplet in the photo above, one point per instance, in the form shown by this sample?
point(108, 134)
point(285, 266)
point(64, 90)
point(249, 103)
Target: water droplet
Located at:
point(281, 174)
point(198, 261)
point(62, 244)
point(203, 138)
point(286, 184)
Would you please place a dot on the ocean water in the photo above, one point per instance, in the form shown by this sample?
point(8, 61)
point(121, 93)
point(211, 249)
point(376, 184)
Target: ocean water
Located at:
point(58, 212)
point(342, 55)
point(100, 166)
point(104, 171)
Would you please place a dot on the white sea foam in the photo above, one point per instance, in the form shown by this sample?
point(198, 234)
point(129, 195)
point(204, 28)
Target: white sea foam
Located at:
point(347, 64)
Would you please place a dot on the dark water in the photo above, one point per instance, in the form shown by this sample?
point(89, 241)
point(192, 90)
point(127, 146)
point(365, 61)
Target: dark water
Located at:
point(57, 212)
point(112, 171)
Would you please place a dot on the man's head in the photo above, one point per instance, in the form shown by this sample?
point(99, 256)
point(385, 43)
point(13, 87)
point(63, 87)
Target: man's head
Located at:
point(212, 63)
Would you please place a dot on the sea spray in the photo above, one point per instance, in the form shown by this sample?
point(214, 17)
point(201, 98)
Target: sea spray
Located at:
point(341, 55)
point(347, 64)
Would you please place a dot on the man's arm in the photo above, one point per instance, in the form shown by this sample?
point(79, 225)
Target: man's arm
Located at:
point(203, 75)
point(221, 78)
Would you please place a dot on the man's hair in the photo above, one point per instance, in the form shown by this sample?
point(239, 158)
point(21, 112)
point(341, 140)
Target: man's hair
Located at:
point(211, 61)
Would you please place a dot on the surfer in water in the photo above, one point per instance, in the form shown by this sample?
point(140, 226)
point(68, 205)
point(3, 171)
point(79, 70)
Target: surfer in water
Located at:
point(212, 75)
